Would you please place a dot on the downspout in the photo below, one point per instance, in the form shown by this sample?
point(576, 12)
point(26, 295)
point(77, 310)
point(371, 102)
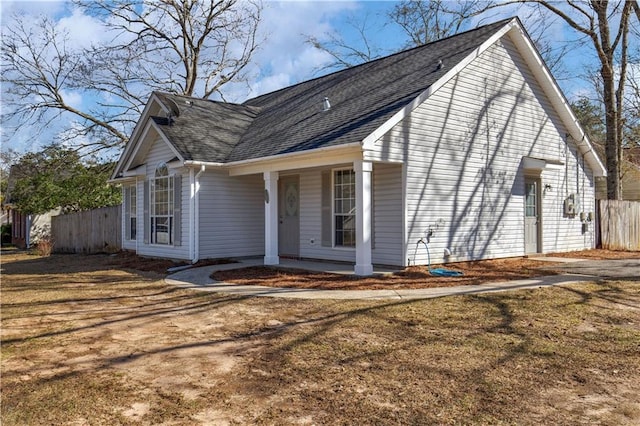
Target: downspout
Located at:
point(194, 215)
point(138, 222)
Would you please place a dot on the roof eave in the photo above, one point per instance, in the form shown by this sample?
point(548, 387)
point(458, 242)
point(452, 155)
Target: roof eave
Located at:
point(298, 159)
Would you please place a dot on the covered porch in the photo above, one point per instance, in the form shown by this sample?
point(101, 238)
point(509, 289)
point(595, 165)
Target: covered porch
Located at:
point(322, 207)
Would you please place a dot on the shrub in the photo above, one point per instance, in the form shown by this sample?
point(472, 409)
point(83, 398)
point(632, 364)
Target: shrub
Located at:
point(44, 247)
point(5, 231)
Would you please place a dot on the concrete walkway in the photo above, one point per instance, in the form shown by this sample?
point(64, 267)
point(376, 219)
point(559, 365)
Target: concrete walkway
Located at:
point(199, 278)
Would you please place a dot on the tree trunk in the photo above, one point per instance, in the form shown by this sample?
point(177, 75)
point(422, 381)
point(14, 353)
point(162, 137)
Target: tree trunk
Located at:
point(612, 148)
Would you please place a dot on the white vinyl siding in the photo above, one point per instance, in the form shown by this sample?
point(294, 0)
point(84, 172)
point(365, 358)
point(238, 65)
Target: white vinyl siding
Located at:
point(311, 220)
point(463, 147)
point(231, 215)
point(387, 217)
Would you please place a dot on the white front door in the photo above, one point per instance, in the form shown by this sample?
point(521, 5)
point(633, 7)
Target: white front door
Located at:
point(289, 216)
point(531, 216)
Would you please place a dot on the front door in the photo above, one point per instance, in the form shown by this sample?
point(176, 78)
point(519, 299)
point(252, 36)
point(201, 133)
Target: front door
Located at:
point(531, 216)
point(289, 216)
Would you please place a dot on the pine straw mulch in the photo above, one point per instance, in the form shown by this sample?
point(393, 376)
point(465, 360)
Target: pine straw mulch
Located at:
point(129, 260)
point(477, 272)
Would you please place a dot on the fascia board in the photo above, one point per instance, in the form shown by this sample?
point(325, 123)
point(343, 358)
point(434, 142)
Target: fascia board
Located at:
point(369, 141)
point(137, 144)
point(121, 180)
point(543, 76)
point(126, 155)
point(175, 164)
point(140, 143)
point(138, 171)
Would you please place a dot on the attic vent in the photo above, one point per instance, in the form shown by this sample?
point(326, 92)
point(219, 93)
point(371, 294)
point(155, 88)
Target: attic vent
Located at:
point(440, 64)
point(188, 102)
point(326, 105)
point(174, 111)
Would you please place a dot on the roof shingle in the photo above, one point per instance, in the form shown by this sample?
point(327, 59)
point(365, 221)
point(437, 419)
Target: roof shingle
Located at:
point(292, 119)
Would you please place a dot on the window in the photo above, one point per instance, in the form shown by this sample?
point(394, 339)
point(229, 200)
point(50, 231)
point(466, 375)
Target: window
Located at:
point(344, 208)
point(161, 203)
point(530, 203)
point(132, 212)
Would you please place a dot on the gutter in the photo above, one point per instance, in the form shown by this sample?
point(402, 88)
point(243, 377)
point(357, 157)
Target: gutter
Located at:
point(191, 163)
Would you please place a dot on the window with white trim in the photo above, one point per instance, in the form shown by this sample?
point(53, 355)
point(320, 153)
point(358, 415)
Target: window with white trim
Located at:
point(132, 212)
point(161, 206)
point(344, 208)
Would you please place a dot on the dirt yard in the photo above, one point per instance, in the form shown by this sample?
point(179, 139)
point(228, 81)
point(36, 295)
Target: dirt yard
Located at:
point(91, 340)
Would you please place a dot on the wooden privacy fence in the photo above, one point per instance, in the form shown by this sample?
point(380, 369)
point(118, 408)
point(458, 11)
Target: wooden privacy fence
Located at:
point(620, 224)
point(91, 231)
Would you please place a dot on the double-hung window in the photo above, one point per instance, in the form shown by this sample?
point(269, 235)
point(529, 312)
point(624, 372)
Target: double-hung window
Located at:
point(344, 208)
point(161, 204)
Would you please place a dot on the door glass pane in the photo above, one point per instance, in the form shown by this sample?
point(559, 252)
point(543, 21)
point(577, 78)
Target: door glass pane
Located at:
point(530, 200)
point(291, 199)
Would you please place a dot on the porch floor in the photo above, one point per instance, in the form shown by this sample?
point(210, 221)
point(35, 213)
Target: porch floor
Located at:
point(313, 265)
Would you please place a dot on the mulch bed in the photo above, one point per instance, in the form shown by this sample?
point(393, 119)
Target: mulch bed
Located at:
point(477, 272)
point(129, 260)
point(410, 278)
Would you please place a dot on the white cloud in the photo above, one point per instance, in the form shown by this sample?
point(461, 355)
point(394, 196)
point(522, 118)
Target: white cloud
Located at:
point(83, 30)
point(31, 7)
point(285, 58)
point(72, 98)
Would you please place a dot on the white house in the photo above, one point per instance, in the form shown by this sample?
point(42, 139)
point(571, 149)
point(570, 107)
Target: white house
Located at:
point(468, 137)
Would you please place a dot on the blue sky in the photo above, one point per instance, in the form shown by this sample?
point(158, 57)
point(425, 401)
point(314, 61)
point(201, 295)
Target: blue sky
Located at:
point(284, 58)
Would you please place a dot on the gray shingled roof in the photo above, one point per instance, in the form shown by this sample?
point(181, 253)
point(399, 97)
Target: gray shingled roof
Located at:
point(204, 130)
point(291, 119)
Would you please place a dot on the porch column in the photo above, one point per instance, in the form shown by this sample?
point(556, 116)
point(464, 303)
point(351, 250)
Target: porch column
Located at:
point(271, 218)
point(363, 217)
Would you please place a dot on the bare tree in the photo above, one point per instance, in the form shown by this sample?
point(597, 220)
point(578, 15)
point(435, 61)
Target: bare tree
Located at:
point(427, 21)
point(421, 22)
point(39, 69)
point(181, 46)
point(606, 25)
point(347, 54)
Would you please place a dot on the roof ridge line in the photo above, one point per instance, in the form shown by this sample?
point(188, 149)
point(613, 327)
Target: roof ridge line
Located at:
point(502, 21)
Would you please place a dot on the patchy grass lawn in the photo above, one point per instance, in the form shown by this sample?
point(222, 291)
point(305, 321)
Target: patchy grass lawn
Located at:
point(87, 342)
